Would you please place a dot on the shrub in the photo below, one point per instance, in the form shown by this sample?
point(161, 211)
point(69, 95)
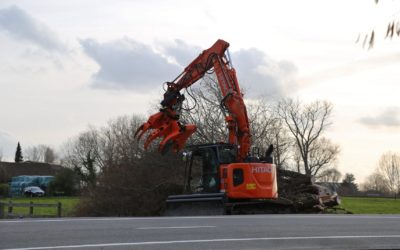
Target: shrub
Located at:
point(138, 188)
point(64, 183)
point(4, 190)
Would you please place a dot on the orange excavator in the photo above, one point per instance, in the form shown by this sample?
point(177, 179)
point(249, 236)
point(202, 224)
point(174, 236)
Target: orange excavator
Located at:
point(223, 178)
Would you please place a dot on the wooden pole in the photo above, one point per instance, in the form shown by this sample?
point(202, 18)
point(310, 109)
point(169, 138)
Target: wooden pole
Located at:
point(59, 209)
point(10, 207)
point(31, 209)
point(2, 210)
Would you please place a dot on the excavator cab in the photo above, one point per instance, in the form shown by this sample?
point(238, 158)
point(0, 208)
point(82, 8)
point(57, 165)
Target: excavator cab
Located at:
point(202, 183)
point(203, 166)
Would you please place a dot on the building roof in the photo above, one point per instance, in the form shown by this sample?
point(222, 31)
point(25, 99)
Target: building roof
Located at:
point(11, 169)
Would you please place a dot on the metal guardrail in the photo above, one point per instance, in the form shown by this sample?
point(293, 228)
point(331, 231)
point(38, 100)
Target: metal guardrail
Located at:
point(29, 205)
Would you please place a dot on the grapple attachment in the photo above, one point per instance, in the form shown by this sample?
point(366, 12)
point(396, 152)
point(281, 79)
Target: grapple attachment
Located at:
point(164, 126)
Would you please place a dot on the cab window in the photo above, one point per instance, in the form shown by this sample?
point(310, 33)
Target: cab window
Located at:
point(238, 177)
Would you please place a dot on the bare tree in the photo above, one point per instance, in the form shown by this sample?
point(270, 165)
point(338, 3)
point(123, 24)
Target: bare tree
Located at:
point(331, 175)
point(376, 183)
point(34, 154)
point(83, 154)
point(117, 143)
point(389, 169)
point(306, 123)
point(1, 154)
point(297, 159)
point(40, 153)
point(204, 110)
point(323, 153)
point(49, 155)
point(97, 149)
point(267, 129)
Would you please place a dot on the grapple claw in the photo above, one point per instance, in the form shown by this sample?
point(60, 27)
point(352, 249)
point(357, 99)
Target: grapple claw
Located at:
point(154, 122)
point(177, 139)
point(141, 130)
point(151, 138)
point(154, 135)
point(138, 130)
point(163, 125)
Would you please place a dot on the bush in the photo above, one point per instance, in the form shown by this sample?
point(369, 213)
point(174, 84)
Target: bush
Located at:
point(4, 190)
point(138, 188)
point(64, 183)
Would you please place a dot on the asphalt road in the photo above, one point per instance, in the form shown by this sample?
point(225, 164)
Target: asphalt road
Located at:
point(219, 232)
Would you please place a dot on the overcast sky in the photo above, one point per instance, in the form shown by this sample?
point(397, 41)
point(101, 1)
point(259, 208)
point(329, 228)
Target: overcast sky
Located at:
point(67, 64)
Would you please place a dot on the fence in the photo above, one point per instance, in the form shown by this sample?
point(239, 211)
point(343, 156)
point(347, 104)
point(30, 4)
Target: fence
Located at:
point(29, 205)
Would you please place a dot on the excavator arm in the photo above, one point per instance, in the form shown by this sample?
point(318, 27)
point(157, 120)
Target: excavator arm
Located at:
point(166, 125)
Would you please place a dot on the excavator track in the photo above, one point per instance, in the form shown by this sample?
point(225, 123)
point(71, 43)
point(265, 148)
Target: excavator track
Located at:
point(195, 204)
point(218, 204)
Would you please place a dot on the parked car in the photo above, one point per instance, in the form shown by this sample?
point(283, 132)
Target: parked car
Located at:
point(33, 191)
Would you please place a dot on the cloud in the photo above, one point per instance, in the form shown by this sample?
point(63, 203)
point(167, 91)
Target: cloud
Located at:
point(355, 67)
point(23, 26)
point(261, 75)
point(182, 52)
point(390, 117)
point(128, 64)
point(257, 73)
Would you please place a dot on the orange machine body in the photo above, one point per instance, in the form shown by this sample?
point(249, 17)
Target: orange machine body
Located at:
point(249, 180)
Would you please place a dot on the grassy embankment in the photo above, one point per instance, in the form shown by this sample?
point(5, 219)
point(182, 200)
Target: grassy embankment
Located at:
point(368, 205)
point(68, 205)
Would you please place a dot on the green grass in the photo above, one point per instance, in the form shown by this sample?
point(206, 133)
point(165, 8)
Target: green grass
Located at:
point(356, 205)
point(368, 205)
point(68, 205)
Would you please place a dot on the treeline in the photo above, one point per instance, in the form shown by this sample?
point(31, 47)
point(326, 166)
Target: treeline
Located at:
point(38, 153)
point(386, 177)
point(119, 178)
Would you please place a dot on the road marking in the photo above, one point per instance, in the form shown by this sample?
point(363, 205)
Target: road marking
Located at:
point(230, 217)
point(181, 227)
point(207, 240)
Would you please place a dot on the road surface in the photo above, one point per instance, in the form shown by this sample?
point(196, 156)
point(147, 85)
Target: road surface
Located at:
point(217, 232)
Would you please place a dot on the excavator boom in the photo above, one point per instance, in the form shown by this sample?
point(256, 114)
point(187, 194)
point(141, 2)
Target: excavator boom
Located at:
point(166, 125)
